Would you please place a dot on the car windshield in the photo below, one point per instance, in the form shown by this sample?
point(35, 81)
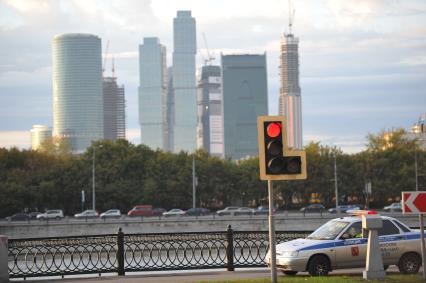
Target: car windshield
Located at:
point(329, 230)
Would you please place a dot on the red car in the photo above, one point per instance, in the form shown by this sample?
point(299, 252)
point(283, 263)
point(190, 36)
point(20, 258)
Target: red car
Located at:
point(141, 210)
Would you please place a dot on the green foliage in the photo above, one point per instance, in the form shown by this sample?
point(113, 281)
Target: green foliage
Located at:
point(127, 175)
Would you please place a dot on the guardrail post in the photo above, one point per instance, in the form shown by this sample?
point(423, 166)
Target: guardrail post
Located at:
point(4, 269)
point(120, 252)
point(230, 248)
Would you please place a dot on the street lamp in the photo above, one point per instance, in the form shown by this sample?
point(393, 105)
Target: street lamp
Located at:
point(93, 177)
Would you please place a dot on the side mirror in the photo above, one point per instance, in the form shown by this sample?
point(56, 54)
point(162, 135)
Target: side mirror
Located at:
point(345, 236)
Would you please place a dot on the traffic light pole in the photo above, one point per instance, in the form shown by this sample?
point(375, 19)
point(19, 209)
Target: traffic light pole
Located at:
point(272, 244)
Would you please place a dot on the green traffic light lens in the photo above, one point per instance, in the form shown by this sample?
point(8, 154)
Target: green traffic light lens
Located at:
point(275, 165)
point(293, 165)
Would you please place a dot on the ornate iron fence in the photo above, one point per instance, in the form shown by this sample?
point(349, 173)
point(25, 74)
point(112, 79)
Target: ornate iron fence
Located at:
point(139, 252)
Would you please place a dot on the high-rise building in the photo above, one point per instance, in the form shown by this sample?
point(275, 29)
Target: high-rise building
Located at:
point(114, 109)
point(184, 87)
point(290, 101)
point(245, 96)
point(77, 89)
point(39, 134)
point(153, 93)
point(210, 111)
point(418, 132)
point(170, 115)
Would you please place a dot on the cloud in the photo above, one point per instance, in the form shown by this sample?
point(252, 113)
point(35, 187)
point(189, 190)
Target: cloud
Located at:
point(19, 139)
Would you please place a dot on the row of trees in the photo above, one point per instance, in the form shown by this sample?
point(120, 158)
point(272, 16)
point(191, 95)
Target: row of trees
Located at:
point(127, 175)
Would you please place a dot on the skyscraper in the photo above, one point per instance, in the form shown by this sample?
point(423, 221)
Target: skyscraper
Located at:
point(184, 87)
point(170, 114)
point(290, 100)
point(245, 96)
point(39, 134)
point(77, 89)
point(114, 109)
point(153, 93)
point(210, 111)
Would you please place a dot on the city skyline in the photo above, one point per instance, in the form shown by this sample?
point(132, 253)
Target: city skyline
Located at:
point(349, 88)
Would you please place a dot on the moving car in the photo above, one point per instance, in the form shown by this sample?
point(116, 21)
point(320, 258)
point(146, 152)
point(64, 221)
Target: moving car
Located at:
point(89, 213)
point(112, 213)
point(174, 212)
point(316, 207)
point(18, 217)
point(158, 211)
point(342, 243)
point(141, 210)
point(263, 210)
point(33, 215)
point(243, 211)
point(197, 211)
point(394, 207)
point(227, 210)
point(51, 214)
point(344, 208)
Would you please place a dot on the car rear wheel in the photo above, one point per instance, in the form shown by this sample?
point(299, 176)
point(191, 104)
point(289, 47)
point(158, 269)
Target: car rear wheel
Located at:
point(409, 263)
point(289, 272)
point(319, 265)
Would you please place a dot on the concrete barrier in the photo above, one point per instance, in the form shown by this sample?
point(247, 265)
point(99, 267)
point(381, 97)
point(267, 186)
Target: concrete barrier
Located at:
point(4, 270)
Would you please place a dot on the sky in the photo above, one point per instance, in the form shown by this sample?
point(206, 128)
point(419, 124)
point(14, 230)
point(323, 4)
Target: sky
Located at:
point(362, 62)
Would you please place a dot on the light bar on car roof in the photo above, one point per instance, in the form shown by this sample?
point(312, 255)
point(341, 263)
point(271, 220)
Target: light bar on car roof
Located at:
point(359, 212)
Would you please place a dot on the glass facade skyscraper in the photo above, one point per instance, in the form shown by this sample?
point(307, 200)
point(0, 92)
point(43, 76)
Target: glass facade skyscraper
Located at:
point(184, 86)
point(245, 96)
point(153, 93)
point(210, 111)
point(77, 89)
point(39, 134)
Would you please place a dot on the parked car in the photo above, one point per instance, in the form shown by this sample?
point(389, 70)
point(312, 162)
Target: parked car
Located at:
point(51, 214)
point(227, 210)
point(263, 210)
point(394, 207)
point(141, 210)
point(243, 211)
point(18, 217)
point(197, 211)
point(33, 215)
point(112, 213)
point(344, 208)
point(316, 207)
point(174, 212)
point(158, 211)
point(89, 213)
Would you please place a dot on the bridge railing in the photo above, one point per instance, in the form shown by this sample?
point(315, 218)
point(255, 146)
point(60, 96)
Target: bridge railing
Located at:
point(120, 253)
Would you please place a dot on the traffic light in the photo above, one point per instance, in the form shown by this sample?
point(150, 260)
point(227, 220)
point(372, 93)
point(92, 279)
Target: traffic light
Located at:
point(276, 160)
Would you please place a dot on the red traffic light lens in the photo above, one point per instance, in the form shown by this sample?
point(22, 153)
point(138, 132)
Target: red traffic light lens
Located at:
point(273, 130)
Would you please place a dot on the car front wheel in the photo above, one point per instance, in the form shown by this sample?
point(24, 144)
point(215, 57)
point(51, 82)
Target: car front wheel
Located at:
point(409, 263)
point(319, 265)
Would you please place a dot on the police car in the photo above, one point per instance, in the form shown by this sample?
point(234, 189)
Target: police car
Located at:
point(342, 243)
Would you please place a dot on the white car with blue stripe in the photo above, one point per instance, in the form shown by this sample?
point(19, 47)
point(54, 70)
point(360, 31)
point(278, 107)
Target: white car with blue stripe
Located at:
point(342, 243)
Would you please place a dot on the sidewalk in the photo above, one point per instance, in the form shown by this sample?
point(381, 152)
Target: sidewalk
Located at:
point(187, 276)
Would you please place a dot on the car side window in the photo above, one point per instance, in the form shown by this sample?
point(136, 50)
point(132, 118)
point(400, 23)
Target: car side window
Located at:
point(355, 230)
point(388, 228)
point(402, 227)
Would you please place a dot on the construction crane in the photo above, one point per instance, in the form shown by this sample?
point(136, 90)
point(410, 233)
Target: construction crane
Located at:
point(105, 59)
point(210, 58)
point(290, 16)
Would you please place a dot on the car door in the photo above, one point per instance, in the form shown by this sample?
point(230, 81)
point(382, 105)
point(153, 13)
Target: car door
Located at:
point(390, 240)
point(351, 247)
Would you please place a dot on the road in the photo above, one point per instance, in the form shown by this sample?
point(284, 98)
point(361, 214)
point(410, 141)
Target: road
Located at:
point(193, 276)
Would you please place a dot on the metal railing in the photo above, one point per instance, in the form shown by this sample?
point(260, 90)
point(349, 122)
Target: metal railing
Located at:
point(121, 253)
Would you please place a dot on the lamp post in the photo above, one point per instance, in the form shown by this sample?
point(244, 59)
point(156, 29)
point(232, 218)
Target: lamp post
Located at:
point(93, 178)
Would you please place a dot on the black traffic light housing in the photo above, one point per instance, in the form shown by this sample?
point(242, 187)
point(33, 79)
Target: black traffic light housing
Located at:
point(276, 160)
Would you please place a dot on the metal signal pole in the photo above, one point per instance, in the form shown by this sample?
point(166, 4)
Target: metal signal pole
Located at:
point(272, 243)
